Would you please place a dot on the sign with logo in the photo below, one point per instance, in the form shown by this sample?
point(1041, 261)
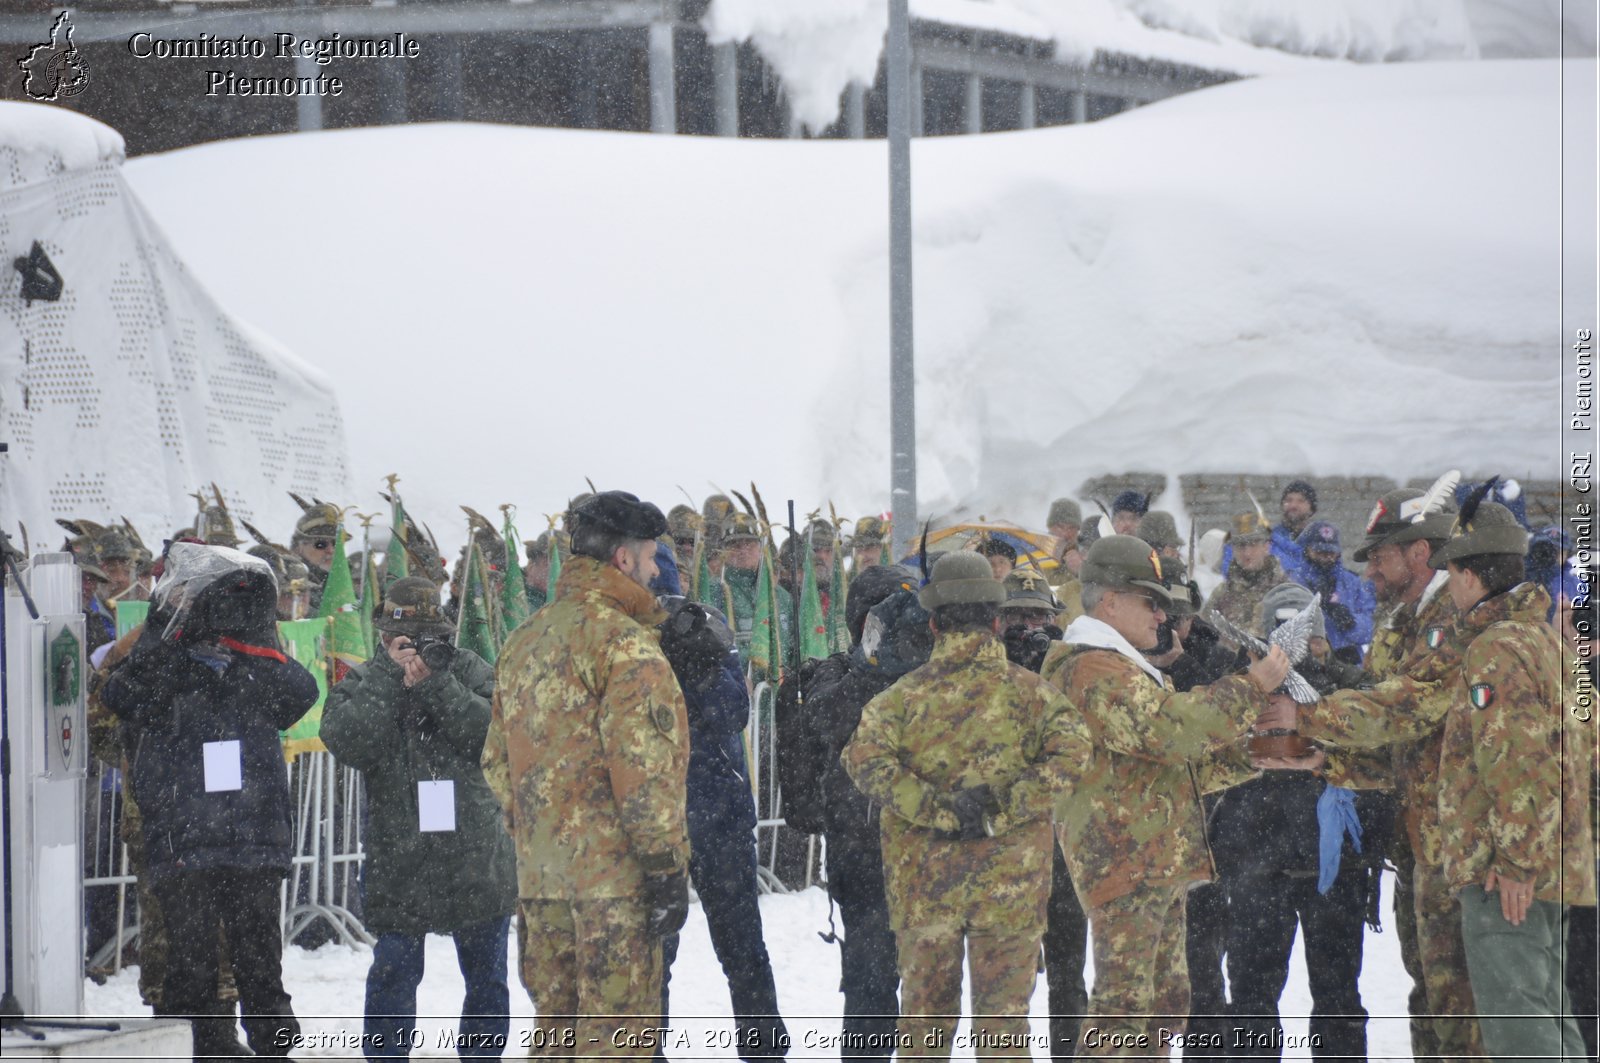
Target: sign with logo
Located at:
point(55, 69)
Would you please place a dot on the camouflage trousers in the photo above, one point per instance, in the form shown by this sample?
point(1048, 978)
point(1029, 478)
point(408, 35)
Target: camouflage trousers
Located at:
point(1424, 1039)
point(594, 974)
point(1141, 976)
point(1444, 967)
point(1003, 965)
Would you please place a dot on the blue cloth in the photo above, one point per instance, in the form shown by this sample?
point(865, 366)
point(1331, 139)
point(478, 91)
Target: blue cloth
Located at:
point(1336, 817)
point(391, 1014)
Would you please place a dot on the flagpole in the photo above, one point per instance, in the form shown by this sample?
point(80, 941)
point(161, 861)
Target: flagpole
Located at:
point(902, 379)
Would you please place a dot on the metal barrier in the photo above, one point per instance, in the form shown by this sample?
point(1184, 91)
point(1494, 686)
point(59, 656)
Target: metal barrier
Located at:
point(762, 750)
point(328, 831)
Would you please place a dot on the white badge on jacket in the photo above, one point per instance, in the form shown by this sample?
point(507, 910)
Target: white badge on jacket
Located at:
point(436, 805)
point(224, 766)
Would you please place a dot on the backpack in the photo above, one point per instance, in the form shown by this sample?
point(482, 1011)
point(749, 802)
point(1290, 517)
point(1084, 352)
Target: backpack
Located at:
point(803, 743)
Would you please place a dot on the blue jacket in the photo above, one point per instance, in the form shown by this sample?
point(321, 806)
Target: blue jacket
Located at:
point(1339, 585)
point(719, 794)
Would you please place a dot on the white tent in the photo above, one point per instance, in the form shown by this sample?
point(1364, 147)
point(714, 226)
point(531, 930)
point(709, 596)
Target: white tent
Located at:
point(133, 387)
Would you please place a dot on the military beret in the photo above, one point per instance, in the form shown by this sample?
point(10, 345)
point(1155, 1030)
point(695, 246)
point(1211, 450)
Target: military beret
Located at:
point(622, 513)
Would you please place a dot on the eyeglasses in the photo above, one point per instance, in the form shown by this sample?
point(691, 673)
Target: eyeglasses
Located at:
point(1148, 600)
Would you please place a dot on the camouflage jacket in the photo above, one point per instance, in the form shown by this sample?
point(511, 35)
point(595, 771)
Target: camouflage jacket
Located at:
point(1239, 596)
point(1516, 766)
point(966, 718)
point(1402, 637)
point(1135, 817)
point(588, 744)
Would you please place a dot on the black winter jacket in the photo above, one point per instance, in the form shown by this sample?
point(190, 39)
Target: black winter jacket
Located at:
point(173, 700)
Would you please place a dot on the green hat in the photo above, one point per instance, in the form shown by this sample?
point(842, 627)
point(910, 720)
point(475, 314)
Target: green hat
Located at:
point(411, 608)
point(1158, 529)
point(715, 509)
point(683, 522)
point(870, 531)
point(318, 521)
point(537, 549)
point(961, 578)
point(216, 527)
point(1249, 527)
point(1491, 529)
point(1125, 562)
point(114, 544)
point(1064, 511)
point(738, 528)
point(821, 533)
point(1026, 588)
point(1395, 522)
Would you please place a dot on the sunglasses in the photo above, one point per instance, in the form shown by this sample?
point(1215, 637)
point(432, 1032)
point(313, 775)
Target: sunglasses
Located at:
point(322, 544)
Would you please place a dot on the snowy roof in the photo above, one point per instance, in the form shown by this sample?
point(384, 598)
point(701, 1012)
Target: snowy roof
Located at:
point(1274, 275)
point(38, 141)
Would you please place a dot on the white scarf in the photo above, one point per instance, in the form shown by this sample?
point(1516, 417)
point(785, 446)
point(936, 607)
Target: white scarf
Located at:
point(1087, 631)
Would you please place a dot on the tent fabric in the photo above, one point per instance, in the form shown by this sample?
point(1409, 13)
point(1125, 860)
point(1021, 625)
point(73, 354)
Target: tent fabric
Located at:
point(135, 387)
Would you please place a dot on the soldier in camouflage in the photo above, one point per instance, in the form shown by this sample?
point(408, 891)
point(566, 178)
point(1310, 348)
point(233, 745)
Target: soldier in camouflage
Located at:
point(1133, 834)
point(1400, 539)
point(536, 571)
point(1064, 521)
point(967, 755)
point(1516, 769)
point(588, 752)
point(1253, 572)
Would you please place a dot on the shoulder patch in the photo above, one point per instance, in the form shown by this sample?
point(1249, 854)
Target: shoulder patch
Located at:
point(1435, 637)
point(662, 716)
point(1481, 695)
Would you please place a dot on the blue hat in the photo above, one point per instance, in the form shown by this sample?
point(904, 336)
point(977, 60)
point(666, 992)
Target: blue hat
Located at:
point(1131, 502)
point(1320, 535)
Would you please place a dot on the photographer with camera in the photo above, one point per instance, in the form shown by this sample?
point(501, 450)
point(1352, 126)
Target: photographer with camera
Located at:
point(202, 698)
point(439, 859)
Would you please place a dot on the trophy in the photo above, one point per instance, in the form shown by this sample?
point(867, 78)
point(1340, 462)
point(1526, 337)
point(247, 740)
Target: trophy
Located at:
point(1293, 636)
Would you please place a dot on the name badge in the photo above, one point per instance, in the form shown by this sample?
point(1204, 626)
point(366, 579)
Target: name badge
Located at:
point(224, 766)
point(436, 805)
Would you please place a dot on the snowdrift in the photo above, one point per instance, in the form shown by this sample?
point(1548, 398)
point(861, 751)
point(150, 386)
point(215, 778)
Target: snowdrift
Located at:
point(1349, 271)
point(134, 387)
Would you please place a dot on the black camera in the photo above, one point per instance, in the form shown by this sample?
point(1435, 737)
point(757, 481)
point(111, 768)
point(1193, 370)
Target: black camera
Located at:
point(1027, 647)
point(437, 653)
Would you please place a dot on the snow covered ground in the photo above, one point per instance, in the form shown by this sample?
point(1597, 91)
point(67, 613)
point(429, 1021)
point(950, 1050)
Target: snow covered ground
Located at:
point(328, 986)
point(1284, 275)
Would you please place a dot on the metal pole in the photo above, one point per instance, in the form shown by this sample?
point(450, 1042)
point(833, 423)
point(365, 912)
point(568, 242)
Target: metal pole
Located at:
point(902, 379)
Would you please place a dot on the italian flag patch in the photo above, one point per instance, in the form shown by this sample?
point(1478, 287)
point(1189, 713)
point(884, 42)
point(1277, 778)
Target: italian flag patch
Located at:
point(1481, 695)
point(1435, 637)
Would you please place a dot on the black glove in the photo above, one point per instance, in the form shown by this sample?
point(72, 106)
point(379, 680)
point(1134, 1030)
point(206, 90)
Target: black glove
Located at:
point(975, 807)
point(666, 898)
point(1340, 614)
point(694, 644)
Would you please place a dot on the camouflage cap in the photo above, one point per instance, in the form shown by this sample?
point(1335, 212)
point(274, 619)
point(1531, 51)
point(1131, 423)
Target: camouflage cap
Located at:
point(1064, 511)
point(1125, 562)
point(1249, 527)
point(961, 578)
point(319, 521)
point(1492, 529)
point(411, 608)
point(715, 509)
point(1158, 528)
point(1026, 588)
point(870, 531)
point(738, 527)
point(1397, 519)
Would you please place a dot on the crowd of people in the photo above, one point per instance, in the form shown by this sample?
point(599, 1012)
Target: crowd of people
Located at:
point(1010, 751)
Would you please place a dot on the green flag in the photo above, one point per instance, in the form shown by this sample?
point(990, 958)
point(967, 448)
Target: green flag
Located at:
point(306, 641)
point(555, 565)
point(475, 625)
point(838, 593)
point(371, 597)
point(766, 649)
point(130, 615)
point(513, 595)
point(347, 644)
point(812, 638)
point(395, 564)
